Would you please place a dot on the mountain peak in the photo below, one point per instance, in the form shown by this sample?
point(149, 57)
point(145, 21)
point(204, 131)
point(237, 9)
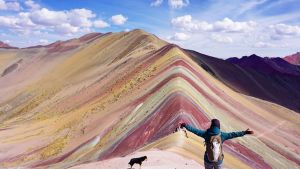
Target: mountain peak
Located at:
point(6, 46)
point(90, 36)
point(254, 56)
point(293, 59)
point(141, 31)
point(251, 59)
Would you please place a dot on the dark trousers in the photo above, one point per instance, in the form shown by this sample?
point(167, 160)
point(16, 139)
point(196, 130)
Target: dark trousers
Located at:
point(212, 165)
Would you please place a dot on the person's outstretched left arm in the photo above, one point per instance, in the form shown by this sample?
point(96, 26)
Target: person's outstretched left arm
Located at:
point(192, 129)
point(231, 135)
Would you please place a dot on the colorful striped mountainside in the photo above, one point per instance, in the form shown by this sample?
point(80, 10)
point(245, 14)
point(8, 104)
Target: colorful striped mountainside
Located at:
point(101, 99)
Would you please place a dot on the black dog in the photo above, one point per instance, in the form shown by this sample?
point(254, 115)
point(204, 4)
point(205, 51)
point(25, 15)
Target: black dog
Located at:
point(137, 161)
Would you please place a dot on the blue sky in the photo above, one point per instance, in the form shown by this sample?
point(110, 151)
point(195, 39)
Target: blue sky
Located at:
point(224, 28)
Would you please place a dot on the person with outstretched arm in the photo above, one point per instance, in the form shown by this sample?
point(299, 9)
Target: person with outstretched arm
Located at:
point(214, 138)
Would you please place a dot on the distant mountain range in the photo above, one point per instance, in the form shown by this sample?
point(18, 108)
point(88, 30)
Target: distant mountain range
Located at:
point(272, 66)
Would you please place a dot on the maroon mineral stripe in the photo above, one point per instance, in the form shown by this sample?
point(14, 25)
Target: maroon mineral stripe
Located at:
point(246, 155)
point(4, 129)
point(172, 107)
point(280, 151)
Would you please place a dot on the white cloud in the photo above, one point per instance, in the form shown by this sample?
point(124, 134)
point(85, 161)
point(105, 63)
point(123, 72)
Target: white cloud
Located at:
point(248, 5)
point(100, 24)
point(66, 28)
point(74, 17)
point(36, 19)
point(43, 41)
point(178, 36)
point(22, 32)
point(8, 21)
point(286, 30)
point(187, 23)
point(227, 25)
point(43, 20)
point(48, 18)
point(127, 30)
point(32, 5)
point(24, 20)
point(62, 22)
point(2, 5)
point(38, 33)
point(268, 45)
point(263, 45)
point(221, 39)
point(156, 3)
point(275, 36)
point(80, 17)
point(177, 4)
point(118, 19)
point(85, 30)
point(19, 24)
point(7, 41)
point(14, 6)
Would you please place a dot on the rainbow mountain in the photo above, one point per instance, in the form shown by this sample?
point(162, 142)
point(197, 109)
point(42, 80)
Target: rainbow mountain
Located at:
point(99, 99)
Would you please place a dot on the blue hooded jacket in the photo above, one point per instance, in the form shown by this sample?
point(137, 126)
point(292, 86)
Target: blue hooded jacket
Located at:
point(212, 131)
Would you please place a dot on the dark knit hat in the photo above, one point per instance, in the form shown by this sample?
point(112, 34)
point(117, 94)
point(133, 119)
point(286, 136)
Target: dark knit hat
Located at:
point(215, 122)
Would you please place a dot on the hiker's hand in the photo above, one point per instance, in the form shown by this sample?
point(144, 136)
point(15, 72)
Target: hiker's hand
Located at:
point(182, 124)
point(248, 131)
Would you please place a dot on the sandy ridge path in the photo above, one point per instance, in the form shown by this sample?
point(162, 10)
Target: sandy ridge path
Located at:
point(157, 159)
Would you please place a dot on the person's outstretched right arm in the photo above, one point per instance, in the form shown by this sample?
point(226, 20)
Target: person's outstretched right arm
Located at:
point(194, 130)
point(231, 135)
